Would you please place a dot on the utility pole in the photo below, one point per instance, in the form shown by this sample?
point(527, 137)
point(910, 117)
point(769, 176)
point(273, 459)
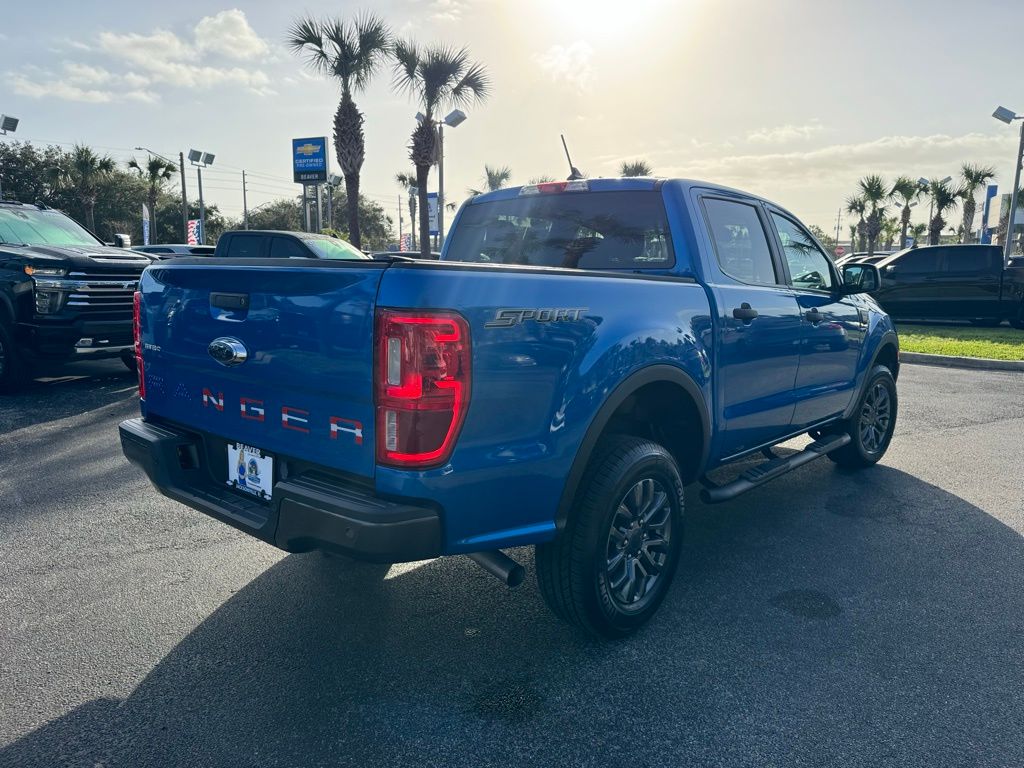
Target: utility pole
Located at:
point(245, 204)
point(839, 217)
point(399, 221)
point(184, 199)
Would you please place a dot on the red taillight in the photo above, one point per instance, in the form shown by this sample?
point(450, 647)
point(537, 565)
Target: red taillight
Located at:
point(422, 383)
point(137, 333)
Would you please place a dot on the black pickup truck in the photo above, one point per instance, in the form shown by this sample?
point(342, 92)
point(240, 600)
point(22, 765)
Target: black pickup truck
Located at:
point(64, 295)
point(952, 282)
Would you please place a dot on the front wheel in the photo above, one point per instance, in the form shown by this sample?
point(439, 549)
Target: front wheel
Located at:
point(610, 568)
point(872, 424)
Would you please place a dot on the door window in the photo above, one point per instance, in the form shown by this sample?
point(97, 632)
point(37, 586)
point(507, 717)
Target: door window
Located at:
point(918, 262)
point(741, 244)
point(287, 248)
point(245, 246)
point(808, 267)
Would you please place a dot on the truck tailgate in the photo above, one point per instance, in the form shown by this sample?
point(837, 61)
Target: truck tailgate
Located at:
point(304, 388)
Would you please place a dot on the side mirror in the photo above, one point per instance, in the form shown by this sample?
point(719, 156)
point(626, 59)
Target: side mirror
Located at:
point(122, 241)
point(860, 278)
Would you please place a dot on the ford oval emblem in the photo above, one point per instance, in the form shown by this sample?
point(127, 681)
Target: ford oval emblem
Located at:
point(228, 351)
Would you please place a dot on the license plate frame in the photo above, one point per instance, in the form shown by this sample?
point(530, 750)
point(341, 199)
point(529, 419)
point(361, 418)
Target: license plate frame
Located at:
point(250, 470)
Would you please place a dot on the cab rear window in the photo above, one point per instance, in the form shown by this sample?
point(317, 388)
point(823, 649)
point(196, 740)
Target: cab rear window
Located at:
point(585, 230)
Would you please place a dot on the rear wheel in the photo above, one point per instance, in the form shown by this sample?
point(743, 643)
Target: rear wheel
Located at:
point(130, 363)
point(610, 568)
point(872, 424)
point(13, 369)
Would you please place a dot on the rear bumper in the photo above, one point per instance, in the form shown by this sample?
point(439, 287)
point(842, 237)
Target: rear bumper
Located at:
point(308, 511)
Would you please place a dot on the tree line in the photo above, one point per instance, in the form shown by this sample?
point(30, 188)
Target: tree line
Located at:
point(107, 198)
point(875, 199)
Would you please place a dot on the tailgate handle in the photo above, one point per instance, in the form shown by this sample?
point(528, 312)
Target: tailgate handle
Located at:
point(230, 300)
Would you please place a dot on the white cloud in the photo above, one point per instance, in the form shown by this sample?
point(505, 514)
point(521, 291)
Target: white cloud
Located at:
point(229, 34)
point(569, 63)
point(784, 134)
point(838, 166)
point(63, 88)
point(444, 10)
point(84, 74)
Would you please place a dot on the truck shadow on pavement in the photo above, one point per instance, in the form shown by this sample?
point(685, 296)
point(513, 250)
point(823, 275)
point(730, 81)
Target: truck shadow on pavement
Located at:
point(829, 618)
point(63, 391)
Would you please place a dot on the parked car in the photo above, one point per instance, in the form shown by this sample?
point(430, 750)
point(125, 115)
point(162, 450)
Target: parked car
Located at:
point(952, 282)
point(64, 295)
point(171, 251)
point(581, 350)
point(273, 244)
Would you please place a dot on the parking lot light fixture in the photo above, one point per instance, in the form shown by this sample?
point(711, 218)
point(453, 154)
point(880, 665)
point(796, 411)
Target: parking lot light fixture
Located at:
point(8, 123)
point(201, 160)
point(1004, 115)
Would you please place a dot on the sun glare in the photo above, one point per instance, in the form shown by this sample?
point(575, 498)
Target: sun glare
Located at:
point(605, 19)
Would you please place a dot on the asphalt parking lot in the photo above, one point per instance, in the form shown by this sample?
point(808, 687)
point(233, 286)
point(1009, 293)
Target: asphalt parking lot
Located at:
point(830, 618)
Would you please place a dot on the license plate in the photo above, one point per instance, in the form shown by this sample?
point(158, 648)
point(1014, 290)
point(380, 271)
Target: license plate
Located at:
point(250, 470)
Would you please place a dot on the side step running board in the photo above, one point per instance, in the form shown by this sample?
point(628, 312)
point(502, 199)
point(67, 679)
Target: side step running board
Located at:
point(769, 470)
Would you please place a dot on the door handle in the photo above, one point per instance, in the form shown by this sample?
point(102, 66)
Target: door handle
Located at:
point(744, 312)
point(814, 316)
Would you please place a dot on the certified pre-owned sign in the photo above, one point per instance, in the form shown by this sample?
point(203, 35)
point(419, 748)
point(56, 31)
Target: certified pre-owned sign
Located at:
point(309, 160)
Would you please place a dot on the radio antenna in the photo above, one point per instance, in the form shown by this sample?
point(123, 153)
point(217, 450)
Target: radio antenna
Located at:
point(574, 172)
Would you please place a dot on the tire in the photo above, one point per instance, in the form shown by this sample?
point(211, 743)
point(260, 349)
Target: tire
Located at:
point(584, 574)
point(129, 363)
point(13, 368)
point(872, 425)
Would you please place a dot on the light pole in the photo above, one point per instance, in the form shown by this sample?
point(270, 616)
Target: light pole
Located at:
point(1008, 116)
point(7, 123)
point(200, 160)
point(455, 118)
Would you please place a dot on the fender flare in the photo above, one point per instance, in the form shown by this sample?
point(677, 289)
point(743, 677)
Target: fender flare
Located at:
point(889, 339)
point(650, 375)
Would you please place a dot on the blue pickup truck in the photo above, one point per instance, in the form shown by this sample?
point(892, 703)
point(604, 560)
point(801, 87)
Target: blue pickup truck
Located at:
point(581, 351)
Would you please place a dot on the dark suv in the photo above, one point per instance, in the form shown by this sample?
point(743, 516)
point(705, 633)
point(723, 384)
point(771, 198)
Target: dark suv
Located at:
point(63, 294)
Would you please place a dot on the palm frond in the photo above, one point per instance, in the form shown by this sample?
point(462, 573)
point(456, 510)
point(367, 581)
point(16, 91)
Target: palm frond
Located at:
point(306, 37)
point(495, 178)
point(475, 85)
point(407, 67)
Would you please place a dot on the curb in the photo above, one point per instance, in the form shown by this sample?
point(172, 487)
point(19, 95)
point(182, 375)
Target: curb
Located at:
point(948, 361)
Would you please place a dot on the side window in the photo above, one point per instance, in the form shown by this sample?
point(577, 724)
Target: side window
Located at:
point(808, 266)
point(966, 260)
point(287, 248)
point(741, 244)
point(245, 247)
point(918, 262)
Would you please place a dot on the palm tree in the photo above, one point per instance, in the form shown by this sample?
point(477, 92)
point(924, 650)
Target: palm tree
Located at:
point(350, 52)
point(917, 231)
point(873, 192)
point(905, 190)
point(853, 238)
point(974, 177)
point(890, 229)
point(156, 172)
point(636, 168)
point(407, 181)
point(858, 205)
point(82, 171)
point(438, 77)
point(494, 179)
point(944, 199)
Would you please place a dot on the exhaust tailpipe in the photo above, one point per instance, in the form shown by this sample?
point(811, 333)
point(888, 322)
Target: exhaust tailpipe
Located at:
point(498, 564)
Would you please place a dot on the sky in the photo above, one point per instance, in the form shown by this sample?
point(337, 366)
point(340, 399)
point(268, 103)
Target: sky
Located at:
point(794, 100)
